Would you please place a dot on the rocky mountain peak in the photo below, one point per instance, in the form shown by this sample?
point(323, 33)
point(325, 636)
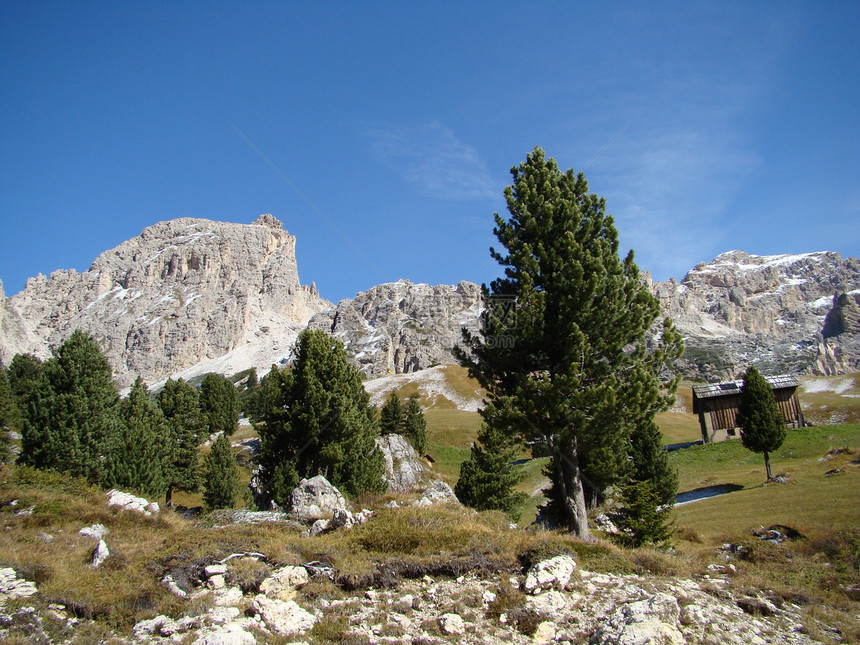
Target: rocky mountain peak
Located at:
point(764, 309)
point(182, 292)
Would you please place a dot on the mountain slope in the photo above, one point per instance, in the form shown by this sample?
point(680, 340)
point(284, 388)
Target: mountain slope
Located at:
point(771, 311)
point(183, 292)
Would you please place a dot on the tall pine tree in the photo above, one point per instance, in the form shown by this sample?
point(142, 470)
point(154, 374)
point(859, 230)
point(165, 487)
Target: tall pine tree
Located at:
point(140, 455)
point(219, 401)
point(761, 423)
point(72, 412)
point(318, 420)
point(562, 352)
point(180, 405)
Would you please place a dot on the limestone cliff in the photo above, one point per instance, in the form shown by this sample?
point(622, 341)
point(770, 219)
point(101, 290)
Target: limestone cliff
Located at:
point(403, 327)
point(783, 313)
point(183, 292)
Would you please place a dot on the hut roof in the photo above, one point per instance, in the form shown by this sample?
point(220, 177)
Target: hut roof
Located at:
point(734, 387)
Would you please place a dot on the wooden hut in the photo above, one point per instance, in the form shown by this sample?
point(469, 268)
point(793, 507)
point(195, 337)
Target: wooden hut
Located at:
point(717, 406)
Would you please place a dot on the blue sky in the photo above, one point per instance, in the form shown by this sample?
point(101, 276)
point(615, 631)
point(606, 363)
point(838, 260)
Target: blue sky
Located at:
point(708, 126)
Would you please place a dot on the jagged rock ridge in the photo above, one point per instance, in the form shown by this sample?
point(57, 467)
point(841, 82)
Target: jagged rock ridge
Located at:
point(402, 327)
point(783, 313)
point(183, 292)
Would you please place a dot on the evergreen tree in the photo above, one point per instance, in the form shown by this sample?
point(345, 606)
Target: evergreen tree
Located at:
point(9, 416)
point(277, 442)
point(761, 423)
point(415, 426)
point(219, 402)
point(71, 413)
point(220, 475)
point(650, 462)
point(139, 456)
point(488, 476)
point(648, 495)
point(391, 417)
point(25, 371)
point(643, 519)
point(180, 405)
point(318, 420)
point(249, 398)
point(562, 352)
point(28, 389)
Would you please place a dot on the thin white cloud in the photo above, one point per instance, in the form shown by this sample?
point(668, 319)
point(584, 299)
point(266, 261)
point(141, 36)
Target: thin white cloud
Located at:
point(434, 160)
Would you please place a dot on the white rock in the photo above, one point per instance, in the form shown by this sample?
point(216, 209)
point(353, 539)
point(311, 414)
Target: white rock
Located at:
point(215, 570)
point(642, 622)
point(11, 586)
point(96, 531)
point(404, 467)
point(223, 615)
point(316, 498)
point(545, 633)
point(554, 573)
point(283, 617)
point(228, 597)
point(100, 554)
point(284, 582)
point(693, 615)
point(548, 603)
point(229, 634)
point(452, 624)
point(172, 587)
point(216, 582)
point(129, 502)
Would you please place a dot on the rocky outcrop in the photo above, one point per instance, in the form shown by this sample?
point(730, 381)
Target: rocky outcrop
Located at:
point(783, 313)
point(183, 292)
point(404, 468)
point(316, 498)
point(402, 327)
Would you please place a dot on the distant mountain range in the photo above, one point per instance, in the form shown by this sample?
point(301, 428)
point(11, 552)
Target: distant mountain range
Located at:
point(189, 296)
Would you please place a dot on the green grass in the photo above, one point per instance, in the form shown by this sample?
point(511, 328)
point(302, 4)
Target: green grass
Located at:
point(811, 499)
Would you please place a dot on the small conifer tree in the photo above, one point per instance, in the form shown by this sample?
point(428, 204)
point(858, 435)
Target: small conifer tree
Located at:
point(318, 421)
point(180, 405)
point(391, 417)
point(415, 426)
point(220, 475)
point(488, 476)
point(9, 417)
point(761, 423)
point(643, 519)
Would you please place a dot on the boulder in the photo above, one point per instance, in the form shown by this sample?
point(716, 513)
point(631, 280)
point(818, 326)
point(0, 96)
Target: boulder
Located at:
point(100, 554)
point(554, 573)
point(438, 492)
point(130, 502)
point(284, 583)
point(316, 498)
point(283, 617)
point(452, 624)
point(404, 468)
point(96, 531)
point(645, 621)
point(229, 634)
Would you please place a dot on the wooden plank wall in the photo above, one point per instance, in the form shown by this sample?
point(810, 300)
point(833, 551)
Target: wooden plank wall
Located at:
point(724, 409)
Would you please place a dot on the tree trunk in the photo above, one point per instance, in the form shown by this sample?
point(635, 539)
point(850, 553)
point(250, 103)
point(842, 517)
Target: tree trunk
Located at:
point(767, 465)
point(168, 497)
point(566, 464)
